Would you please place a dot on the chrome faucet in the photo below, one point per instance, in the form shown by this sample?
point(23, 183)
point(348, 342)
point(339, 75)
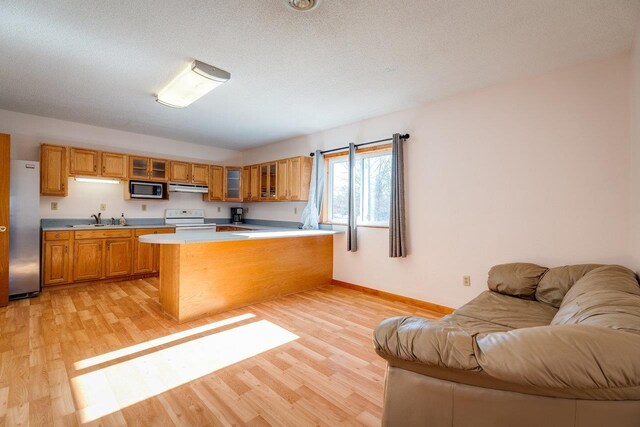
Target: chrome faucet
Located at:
point(97, 218)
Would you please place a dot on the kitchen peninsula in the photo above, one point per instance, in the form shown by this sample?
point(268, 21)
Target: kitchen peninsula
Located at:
point(208, 272)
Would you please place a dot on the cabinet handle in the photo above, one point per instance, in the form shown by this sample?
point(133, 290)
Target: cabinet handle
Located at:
point(3, 228)
point(95, 168)
point(63, 186)
point(66, 249)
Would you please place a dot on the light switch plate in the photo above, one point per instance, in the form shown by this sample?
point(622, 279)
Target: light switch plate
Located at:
point(144, 208)
point(54, 206)
point(103, 207)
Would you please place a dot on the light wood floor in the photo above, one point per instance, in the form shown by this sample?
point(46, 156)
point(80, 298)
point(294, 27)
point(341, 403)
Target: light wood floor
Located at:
point(106, 355)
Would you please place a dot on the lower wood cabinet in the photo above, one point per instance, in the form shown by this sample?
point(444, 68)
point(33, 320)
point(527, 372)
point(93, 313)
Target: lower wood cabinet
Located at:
point(118, 258)
point(92, 255)
point(57, 269)
point(146, 257)
point(88, 260)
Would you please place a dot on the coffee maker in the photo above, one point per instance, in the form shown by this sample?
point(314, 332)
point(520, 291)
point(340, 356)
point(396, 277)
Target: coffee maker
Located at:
point(236, 215)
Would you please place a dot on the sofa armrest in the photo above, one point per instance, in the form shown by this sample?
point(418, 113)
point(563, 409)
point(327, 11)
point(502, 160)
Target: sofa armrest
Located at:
point(581, 357)
point(432, 342)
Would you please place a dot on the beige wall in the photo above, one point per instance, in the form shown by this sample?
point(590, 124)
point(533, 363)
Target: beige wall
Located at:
point(635, 154)
point(534, 170)
point(28, 132)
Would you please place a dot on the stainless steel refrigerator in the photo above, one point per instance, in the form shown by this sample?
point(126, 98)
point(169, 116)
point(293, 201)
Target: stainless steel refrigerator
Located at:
point(24, 236)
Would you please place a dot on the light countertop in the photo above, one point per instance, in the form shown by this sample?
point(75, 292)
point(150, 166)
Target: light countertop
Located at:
point(104, 227)
point(257, 232)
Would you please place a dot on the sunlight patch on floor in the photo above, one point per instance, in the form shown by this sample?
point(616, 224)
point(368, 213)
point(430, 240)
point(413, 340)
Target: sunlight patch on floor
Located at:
point(107, 357)
point(115, 387)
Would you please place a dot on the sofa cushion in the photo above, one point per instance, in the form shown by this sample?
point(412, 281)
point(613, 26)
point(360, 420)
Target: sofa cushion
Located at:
point(607, 296)
point(590, 358)
point(434, 342)
point(506, 311)
point(558, 280)
point(517, 279)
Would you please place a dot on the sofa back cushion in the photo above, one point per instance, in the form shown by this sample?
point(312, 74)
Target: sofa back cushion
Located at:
point(518, 279)
point(607, 296)
point(558, 280)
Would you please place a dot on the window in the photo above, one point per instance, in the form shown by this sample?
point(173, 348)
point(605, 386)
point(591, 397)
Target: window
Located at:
point(372, 188)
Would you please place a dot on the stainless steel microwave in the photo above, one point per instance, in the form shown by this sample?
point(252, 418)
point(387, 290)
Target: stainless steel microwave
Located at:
point(145, 190)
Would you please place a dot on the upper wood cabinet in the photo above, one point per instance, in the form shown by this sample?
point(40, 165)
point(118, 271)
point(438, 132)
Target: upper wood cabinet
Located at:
point(246, 183)
point(216, 185)
point(233, 184)
point(282, 178)
point(199, 174)
point(254, 183)
point(114, 165)
point(83, 162)
point(299, 178)
point(148, 169)
point(180, 172)
point(54, 172)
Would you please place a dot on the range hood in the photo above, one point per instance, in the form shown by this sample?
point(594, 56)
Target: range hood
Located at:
point(187, 188)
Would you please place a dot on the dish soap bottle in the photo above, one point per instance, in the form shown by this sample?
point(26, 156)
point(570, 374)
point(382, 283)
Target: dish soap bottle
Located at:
point(122, 220)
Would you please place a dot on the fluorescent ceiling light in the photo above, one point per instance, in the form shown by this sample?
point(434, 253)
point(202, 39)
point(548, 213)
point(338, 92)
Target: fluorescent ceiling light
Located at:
point(99, 180)
point(193, 83)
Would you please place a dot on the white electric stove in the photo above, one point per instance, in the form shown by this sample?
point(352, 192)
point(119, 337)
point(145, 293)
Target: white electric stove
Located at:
point(187, 220)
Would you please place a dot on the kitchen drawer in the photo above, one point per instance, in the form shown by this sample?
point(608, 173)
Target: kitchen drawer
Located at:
point(57, 235)
point(102, 234)
point(144, 231)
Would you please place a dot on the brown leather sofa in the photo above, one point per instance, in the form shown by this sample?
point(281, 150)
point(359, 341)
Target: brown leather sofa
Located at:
point(542, 347)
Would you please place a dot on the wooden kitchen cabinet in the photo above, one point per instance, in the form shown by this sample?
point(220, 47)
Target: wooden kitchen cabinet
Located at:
point(54, 172)
point(268, 181)
point(233, 184)
point(199, 174)
point(246, 183)
point(254, 182)
point(146, 257)
point(88, 259)
point(114, 165)
point(282, 175)
point(118, 257)
point(56, 260)
point(299, 178)
point(83, 162)
point(148, 169)
point(216, 185)
point(180, 172)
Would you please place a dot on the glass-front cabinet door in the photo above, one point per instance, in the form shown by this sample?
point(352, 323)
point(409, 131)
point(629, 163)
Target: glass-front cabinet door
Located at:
point(232, 183)
point(273, 171)
point(139, 167)
point(159, 170)
point(264, 181)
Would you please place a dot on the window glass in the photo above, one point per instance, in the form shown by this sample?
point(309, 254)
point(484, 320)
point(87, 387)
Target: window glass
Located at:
point(372, 189)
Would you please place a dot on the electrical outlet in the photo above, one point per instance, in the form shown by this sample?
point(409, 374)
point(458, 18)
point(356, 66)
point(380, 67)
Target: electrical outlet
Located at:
point(466, 280)
point(218, 208)
point(295, 211)
point(103, 207)
point(54, 206)
point(144, 208)
point(246, 210)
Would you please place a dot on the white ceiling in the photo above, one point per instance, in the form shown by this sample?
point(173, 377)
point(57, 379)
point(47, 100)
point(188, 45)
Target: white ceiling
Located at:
point(292, 73)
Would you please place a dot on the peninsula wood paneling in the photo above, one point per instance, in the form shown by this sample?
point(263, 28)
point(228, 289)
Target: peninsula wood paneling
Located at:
point(201, 278)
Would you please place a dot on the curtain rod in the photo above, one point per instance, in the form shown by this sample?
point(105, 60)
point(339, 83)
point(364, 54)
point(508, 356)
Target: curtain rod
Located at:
point(405, 137)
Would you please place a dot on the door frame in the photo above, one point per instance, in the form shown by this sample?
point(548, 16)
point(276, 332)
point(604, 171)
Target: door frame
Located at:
point(5, 188)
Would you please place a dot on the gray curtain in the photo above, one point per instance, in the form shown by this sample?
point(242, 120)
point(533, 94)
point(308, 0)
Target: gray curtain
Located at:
point(352, 227)
point(397, 223)
point(311, 212)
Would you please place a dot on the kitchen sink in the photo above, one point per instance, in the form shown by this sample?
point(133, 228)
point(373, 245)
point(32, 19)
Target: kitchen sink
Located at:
point(96, 225)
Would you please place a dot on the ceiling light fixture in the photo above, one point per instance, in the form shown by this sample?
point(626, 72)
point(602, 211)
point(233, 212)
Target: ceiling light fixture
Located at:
point(98, 180)
point(191, 84)
point(303, 5)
